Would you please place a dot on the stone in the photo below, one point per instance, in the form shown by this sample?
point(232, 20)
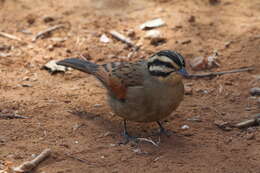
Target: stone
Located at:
point(255, 91)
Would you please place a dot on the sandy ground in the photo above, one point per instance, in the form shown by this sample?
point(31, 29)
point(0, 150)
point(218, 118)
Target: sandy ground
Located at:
point(68, 112)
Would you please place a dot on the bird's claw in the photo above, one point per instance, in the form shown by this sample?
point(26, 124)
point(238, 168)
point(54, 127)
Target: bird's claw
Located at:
point(127, 139)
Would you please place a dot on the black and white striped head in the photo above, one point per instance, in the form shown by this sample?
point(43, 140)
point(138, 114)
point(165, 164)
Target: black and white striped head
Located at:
point(165, 62)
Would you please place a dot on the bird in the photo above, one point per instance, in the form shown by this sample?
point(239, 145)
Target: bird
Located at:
point(144, 91)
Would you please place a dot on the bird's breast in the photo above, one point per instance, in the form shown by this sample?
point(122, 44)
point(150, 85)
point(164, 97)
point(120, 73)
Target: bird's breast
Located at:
point(151, 102)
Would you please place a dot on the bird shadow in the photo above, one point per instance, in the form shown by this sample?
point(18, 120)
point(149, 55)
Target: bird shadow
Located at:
point(165, 144)
point(104, 123)
point(84, 114)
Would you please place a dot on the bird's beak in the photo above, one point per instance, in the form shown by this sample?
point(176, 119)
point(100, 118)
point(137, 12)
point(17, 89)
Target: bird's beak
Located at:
point(183, 72)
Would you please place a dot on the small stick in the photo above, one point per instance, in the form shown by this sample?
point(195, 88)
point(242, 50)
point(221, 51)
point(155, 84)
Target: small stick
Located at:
point(5, 54)
point(29, 165)
point(248, 123)
point(12, 37)
point(214, 74)
point(122, 38)
point(47, 31)
point(78, 159)
point(12, 116)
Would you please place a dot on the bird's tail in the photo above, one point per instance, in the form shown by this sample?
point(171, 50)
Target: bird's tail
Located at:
point(79, 64)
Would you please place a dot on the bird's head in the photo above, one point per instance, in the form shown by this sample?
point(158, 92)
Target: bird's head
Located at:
point(166, 62)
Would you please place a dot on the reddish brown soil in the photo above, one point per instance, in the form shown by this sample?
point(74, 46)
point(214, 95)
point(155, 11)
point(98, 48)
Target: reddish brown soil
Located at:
point(202, 148)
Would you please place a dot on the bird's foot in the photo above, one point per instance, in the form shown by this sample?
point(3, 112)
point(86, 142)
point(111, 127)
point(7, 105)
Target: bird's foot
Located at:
point(128, 138)
point(136, 140)
point(163, 131)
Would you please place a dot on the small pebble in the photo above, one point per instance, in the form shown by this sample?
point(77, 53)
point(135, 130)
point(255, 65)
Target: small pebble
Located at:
point(50, 47)
point(184, 127)
point(26, 85)
point(48, 19)
point(153, 34)
point(104, 39)
point(112, 145)
point(186, 41)
point(248, 109)
point(97, 105)
point(26, 78)
point(214, 2)
point(255, 91)
point(131, 33)
point(228, 43)
point(192, 19)
point(137, 150)
point(155, 37)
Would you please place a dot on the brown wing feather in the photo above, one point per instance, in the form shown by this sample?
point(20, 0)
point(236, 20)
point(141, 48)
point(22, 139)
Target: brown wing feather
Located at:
point(118, 76)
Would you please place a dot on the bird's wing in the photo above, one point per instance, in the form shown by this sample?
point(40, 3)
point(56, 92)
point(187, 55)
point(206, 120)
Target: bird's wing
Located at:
point(118, 76)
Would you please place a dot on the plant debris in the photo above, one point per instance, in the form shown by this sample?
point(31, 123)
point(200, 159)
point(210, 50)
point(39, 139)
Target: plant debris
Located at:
point(152, 24)
point(47, 31)
point(248, 123)
point(123, 38)
point(29, 165)
point(223, 125)
point(214, 74)
point(12, 116)
point(53, 67)
point(12, 37)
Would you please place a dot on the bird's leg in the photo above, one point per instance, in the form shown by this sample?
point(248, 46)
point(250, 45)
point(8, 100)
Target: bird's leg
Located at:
point(162, 130)
point(126, 136)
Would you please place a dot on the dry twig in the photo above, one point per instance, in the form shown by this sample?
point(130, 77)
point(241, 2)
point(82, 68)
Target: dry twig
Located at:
point(214, 74)
point(29, 165)
point(12, 116)
point(252, 122)
point(78, 159)
point(12, 37)
point(5, 54)
point(47, 31)
point(123, 38)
